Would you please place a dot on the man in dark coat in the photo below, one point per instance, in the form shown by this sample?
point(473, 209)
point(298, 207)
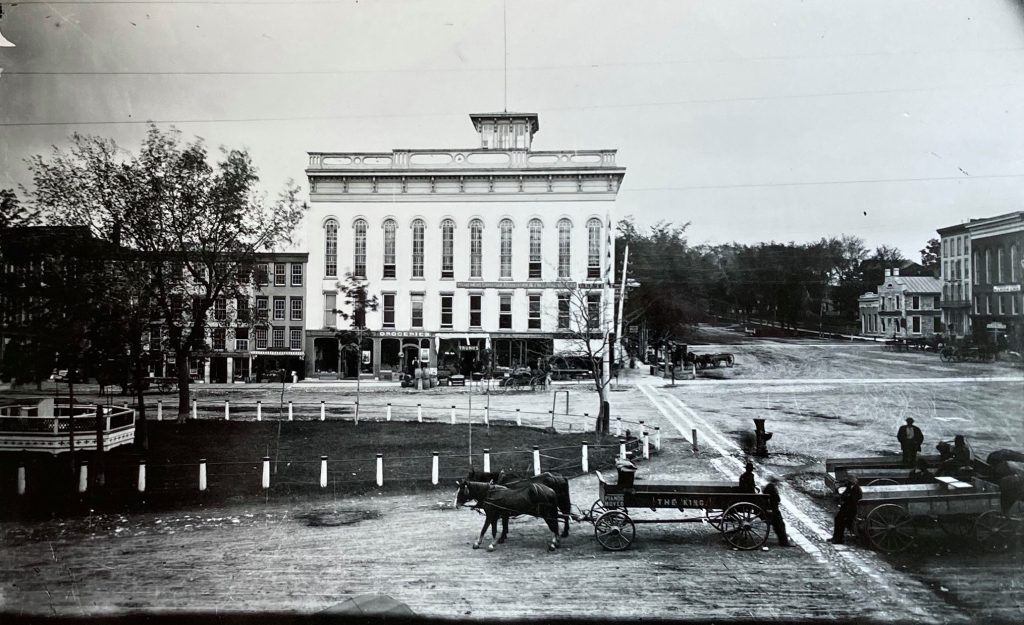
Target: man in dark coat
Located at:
point(775, 511)
point(847, 510)
point(910, 438)
point(747, 484)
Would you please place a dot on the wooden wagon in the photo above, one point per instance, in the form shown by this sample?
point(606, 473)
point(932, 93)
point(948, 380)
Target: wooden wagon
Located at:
point(741, 517)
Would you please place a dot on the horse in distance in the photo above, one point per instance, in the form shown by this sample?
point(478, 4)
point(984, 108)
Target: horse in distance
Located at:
point(502, 502)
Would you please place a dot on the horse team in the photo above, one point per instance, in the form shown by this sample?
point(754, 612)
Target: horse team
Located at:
point(503, 495)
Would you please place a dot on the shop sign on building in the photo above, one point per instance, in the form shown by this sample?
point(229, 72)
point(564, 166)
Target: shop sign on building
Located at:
point(1006, 288)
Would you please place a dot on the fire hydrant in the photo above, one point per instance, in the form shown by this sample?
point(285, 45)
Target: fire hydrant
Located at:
point(761, 438)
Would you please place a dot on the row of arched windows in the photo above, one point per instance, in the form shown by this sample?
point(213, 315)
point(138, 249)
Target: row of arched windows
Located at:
point(535, 229)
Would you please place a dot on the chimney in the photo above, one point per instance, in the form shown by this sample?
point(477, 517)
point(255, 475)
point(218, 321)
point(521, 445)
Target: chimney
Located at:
point(888, 272)
point(895, 271)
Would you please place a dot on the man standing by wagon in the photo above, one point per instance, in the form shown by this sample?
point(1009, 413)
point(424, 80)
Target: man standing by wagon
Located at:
point(910, 438)
point(747, 482)
point(847, 510)
point(775, 511)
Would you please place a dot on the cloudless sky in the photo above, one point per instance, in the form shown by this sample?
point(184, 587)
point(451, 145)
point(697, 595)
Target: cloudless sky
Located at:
point(753, 120)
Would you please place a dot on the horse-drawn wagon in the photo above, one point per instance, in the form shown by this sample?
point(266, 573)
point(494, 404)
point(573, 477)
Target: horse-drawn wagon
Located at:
point(704, 361)
point(741, 517)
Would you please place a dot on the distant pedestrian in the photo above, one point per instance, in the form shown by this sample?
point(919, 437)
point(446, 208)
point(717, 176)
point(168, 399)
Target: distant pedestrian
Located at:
point(775, 511)
point(747, 484)
point(847, 513)
point(910, 438)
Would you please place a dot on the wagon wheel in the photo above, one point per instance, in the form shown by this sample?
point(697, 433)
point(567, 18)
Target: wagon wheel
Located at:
point(597, 510)
point(730, 361)
point(744, 526)
point(957, 525)
point(614, 530)
point(882, 481)
point(946, 355)
point(993, 530)
point(889, 528)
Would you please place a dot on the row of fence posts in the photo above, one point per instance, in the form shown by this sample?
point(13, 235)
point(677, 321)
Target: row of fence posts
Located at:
point(83, 467)
point(387, 414)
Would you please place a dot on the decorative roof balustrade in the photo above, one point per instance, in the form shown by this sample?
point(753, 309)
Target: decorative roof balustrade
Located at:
point(461, 159)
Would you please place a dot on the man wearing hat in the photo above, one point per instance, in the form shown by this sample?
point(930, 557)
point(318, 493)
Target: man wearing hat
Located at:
point(747, 483)
point(910, 438)
point(775, 510)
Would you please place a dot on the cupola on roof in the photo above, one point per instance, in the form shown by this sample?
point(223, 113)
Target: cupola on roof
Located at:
point(505, 131)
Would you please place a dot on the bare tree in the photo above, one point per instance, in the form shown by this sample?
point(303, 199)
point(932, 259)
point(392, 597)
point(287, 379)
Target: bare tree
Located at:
point(586, 320)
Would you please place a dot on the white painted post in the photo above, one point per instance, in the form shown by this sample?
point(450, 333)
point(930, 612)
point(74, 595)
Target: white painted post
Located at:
point(487, 461)
point(159, 410)
point(536, 460)
point(419, 413)
point(585, 458)
point(259, 410)
point(83, 477)
point(487, 416)
point(202, 475)
point(618, 426)
point(21, 479)
point(388, 418)
point(323, 410)
point(266, 472)
point(453, 415)
point(693, 433)
point(380, 469)
point(142, 476)
point(519, 417)
point(195, 410)
point(356, 419)
point(657, 438)
point(323, 471)
point(433, 470)
point(227, 410)
point(291, 412)
point(647, 445)
point(622, 448)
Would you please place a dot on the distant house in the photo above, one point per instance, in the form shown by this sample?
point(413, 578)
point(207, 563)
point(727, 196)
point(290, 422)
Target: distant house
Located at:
point(904, 306)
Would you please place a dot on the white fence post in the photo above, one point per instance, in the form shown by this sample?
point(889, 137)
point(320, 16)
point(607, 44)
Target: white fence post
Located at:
point(657, 438)
point(21, 479)
point(202, 474)
point(453, 415)
point(380, 469)
point(142, 475)
point(266, 472)
point(584, 458)
point(519, 417)
point(323, 471)
point(323, 410)
point(647, 445)
point(622, 448)
point(227, 410)
point(195, 410)
point(618, 426)
point(487, 416)
point(259, 410)
point(388, 418)
point(83, 477)
point(487, 461)
point(291, 411)
point(536, 460)
point(434, 470)
point(419, 413)
point(693, 433)
point(159, 410)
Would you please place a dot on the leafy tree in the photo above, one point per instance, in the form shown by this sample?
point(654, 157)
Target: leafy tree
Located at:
point(358, 301)
point(931, 256)
point(194, 228)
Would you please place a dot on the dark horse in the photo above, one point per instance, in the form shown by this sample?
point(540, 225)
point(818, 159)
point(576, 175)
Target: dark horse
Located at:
point(503, 502)
point(507, 478)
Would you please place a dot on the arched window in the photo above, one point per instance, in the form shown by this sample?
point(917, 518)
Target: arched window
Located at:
point(476, 234)
point(331, 249)
point(417, 248)
point(359, 249)
point(505, 231)
point(536, 229)
point(447, 249)
point(1014, 263)
point(390, 227)
point(564, 247)
point(1000, 259)
point(594, 248)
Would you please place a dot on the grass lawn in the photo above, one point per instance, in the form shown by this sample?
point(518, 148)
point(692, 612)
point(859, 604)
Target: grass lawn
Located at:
point(234, 451)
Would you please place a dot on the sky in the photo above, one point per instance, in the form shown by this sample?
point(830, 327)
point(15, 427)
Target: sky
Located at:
point(751, 120)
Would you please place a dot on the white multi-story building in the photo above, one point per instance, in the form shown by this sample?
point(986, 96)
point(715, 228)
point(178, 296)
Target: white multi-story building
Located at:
point(956, 279)
point(466, 250)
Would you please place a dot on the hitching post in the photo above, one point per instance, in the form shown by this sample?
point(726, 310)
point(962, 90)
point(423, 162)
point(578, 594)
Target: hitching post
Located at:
point(453, 415)
point(419, 413)
point(323, 471)
point(227, 410)
point(433, 470)
point(584, 459)
point(202, 474)
point(291, 411)
point(380, 469)
point(487, 460)
point(536, 460)
point(657, 438)
point(142, 475)
point(266, 472)
point(259, 410)
point(647, 446)
point(388, 416)
point(83, 476)
point(21, 478)
point(323, 410)
point(622, 448)
point(159, 410)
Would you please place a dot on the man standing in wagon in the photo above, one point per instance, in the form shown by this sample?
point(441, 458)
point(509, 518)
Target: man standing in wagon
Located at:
point(910, 438)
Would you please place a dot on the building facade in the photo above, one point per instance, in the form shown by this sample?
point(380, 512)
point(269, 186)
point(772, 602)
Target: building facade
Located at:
point(996, 283)
point(905, 306)
point(469, 252)
point(955, 267)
